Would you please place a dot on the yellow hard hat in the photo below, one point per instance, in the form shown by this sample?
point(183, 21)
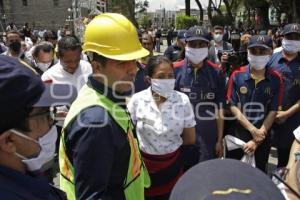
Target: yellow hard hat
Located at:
point(113, 36)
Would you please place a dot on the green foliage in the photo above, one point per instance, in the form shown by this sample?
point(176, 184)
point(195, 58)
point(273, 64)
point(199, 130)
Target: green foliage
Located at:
point(144, 21)
point(141, 6)
point(185, 22)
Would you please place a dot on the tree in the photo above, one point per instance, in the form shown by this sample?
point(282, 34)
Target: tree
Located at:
point(188, 7)
point(129, 8)
point(201, 10)
point(290, 7)
point(214, 6)
point(144, 21)
point(262, 12)
point(231, 6)
point(141, 6)
point(185, 22)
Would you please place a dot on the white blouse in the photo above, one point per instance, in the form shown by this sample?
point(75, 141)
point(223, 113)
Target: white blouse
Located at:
point(159, 129)
point(297, 133)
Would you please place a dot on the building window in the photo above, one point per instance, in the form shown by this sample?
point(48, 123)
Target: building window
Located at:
point(25, 2)
point(56, 2)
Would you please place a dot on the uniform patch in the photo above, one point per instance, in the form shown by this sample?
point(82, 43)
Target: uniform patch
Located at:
point(268, 90)
point(297, 82)
point(243, 90)
point(185, 89)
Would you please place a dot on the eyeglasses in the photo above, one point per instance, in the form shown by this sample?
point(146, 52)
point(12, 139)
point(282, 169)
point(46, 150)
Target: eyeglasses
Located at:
point(279, 176)
point(49, 115)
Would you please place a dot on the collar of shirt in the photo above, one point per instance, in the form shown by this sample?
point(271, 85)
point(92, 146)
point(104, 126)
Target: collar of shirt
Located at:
point(78, 70)
point(101, 88)
point(24, 183)
point(191, 70)
point(152, 102)
point(250, 76)
point(219, 46)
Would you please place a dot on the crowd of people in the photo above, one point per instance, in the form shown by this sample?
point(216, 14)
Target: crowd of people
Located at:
point(121, 122)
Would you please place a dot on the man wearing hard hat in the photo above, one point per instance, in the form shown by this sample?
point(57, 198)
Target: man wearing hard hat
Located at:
point(99, 157)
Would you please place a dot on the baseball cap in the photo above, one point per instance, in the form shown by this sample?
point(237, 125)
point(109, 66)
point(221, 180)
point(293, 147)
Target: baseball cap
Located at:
point(181, 34)
point(197, 33)
point(225, 179)
point(21, 88)
point(263, 41)
point(291, 28)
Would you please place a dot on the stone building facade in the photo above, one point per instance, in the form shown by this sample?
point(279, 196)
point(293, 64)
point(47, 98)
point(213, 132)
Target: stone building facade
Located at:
point(40, 14)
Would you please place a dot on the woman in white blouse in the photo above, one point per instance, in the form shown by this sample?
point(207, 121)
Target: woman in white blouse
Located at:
point(164, 121)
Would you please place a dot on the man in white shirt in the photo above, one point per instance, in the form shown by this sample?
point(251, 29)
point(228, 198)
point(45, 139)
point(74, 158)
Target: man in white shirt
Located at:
point(70, 69)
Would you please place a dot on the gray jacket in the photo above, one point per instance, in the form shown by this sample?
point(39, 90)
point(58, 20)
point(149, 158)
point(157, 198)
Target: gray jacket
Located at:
point(212, 50)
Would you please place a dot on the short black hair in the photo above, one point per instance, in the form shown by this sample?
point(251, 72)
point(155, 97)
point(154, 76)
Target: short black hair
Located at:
point(98, 58)
point(43, 46)
point(218, 27)
point(50, 35)
point(154, 62)
point(16, 121)
point(68, 43)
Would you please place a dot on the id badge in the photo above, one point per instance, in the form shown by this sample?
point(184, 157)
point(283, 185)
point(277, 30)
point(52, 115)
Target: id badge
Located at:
point(185, 90)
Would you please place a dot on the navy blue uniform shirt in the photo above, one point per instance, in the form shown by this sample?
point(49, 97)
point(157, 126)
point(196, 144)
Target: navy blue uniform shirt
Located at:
point(205, 88)
point(206, 84)
point(256, 99)
point(140, 82)
point(15, 185)
point(290, 72)
point(99, 151)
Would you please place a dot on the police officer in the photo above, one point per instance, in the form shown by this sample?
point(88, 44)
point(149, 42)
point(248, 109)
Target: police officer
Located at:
point(204, 83)
point(287, 63)
point(254, 94)
point(99, 156)
point(27, 133)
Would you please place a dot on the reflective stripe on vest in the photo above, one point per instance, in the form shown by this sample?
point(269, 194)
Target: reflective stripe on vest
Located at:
point(137, 176)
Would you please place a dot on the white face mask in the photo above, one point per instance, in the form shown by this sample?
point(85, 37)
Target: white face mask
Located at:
point(163, 87)
point(218, 38)
point(291, 46)
point(258, 62)
point(196, 55)
point(43, 66)
point(47, 153)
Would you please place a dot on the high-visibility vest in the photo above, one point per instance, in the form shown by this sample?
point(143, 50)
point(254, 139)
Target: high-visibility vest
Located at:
point(137, 176)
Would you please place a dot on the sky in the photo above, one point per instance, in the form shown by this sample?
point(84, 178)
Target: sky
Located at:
point(172, 4)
